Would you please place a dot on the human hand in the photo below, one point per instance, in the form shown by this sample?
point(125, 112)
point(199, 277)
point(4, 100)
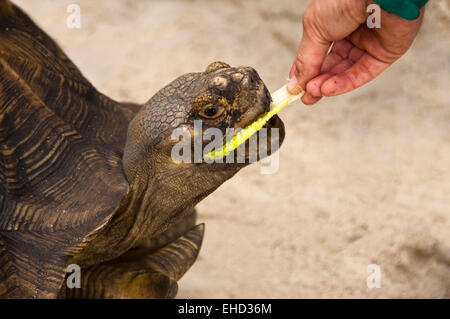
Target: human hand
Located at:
point(358, 55)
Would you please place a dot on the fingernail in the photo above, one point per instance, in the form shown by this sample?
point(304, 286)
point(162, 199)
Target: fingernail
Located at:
point(293, 86)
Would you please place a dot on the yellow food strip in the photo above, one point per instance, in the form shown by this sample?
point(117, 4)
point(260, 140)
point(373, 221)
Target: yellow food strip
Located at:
point(280, 99)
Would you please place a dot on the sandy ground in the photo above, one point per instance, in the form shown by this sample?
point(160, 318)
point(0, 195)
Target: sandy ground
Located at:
point(363, 178)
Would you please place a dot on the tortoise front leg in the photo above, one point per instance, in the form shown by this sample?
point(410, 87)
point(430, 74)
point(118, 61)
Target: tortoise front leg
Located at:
point(112, 281)
point(173, 232)
point(141, 273)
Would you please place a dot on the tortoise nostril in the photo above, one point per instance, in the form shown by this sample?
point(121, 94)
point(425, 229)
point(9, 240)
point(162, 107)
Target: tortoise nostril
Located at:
point(219, 82)
point(237, 77)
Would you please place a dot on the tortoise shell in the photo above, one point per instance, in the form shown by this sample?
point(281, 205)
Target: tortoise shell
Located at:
point(61, 143)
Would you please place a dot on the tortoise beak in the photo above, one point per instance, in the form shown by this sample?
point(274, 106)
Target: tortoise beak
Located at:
point(269, 142)
point(274, 129)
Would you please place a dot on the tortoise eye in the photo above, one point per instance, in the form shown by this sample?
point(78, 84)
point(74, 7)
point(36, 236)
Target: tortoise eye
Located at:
point(212, 111)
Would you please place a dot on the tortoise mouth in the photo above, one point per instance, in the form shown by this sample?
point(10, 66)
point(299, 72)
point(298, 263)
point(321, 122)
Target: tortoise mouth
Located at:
point(271, 136)
point(267, 140)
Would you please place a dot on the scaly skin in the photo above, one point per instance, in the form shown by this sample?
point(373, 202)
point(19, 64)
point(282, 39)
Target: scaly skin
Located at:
point(87, 180)
point(163, 192)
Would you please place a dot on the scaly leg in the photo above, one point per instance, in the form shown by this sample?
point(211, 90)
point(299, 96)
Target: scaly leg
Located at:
point(141, 273)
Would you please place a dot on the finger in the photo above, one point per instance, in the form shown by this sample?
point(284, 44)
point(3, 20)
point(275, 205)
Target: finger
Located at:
point(342, 48)
point(330, 61)
point(341, 66)
point(314, 86)
point(308, 61)
point(292, 71)
point(363, 71)
point(335, 62)
point(355, 54)
point(309, 99)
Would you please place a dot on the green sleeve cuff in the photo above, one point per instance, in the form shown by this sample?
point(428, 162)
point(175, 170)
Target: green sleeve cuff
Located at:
point(407, 9)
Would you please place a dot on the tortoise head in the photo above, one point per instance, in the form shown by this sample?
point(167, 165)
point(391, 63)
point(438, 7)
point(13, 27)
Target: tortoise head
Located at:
point(184, 113)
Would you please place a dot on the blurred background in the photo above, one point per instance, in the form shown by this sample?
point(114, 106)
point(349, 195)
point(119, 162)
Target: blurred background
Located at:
point(364, 178)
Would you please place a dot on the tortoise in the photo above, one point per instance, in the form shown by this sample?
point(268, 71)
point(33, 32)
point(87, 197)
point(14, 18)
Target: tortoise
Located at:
point(88, 181)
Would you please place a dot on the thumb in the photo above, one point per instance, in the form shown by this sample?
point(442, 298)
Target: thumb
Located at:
point(308, 61)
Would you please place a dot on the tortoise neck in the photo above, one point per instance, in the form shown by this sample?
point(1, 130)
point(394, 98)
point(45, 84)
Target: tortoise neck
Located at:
point(173, 192)
point(153, 202)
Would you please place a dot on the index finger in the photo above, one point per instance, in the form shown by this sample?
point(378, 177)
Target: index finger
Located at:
point(308, 61)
